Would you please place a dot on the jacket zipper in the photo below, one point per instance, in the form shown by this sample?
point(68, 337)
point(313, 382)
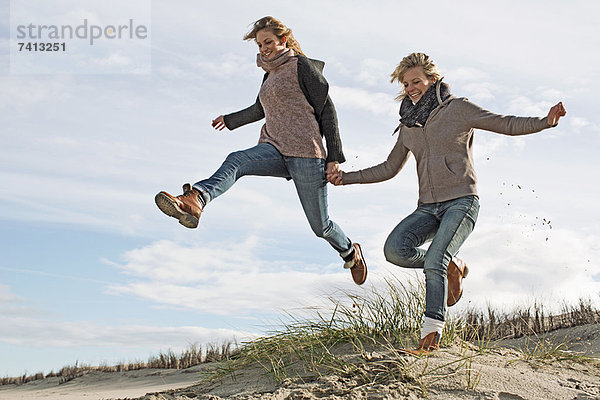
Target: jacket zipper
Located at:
point(428, 163)
point(433, 113)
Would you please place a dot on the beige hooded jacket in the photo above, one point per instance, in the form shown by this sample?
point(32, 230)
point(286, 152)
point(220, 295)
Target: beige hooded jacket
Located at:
point(443, 149)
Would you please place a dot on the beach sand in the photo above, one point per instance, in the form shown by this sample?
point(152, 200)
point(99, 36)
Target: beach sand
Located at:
point(455, 372)
point(105, 385)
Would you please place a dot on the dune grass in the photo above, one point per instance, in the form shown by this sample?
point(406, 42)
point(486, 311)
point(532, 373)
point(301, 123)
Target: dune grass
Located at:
point(346, 340)
point(342, 340)
point(360, 322)
point(361, 336)
point(528, 320)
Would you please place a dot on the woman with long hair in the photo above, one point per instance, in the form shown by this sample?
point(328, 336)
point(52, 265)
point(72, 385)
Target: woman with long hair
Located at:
point(437, 128)
point(298, 112)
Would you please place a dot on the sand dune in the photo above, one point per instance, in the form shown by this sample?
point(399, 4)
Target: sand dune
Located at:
point(455, 372)
point(104, 385)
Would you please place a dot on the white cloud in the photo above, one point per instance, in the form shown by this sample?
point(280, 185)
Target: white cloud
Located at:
point(197, 67)
point(6, 296)
point(91, 208)
point(579, 123)
point(523, 105)
point(467, 75)
point(479, 92)
point(472, 83)
point(353, 98)
point(553, 95)
point(34, 332)
point(526, 257)
point(223, 278)
point(374, 71)
point(19, 94)
point(13, 305)
point(42, 333)
point(227, 66)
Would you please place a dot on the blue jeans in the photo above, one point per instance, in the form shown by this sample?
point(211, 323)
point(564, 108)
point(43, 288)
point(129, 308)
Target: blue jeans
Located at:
point(447, 225)
point(308, 175)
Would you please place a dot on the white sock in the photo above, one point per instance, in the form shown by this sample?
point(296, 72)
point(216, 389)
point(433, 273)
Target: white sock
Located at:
point(431, 325)
point(351, 250)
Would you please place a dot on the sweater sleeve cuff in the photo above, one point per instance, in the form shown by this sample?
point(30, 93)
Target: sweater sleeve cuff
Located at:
point(335, 158)
point(228, 123)
point(544, 123)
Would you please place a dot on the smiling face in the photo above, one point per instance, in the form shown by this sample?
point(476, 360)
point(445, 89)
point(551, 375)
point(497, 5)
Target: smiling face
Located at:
point(269, 45)
point(416, 83)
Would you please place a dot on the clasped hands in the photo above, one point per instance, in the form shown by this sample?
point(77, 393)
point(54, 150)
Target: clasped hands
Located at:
point(334, 173)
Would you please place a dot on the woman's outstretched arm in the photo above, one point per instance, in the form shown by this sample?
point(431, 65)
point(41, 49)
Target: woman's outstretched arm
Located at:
point(477, 117)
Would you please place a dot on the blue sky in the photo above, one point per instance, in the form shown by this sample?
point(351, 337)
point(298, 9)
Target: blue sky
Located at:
point(91, 271)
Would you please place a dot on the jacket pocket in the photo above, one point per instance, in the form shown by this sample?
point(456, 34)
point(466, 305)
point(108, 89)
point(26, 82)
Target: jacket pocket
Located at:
point(459, 168)
point(455, 165)
point(443, 171)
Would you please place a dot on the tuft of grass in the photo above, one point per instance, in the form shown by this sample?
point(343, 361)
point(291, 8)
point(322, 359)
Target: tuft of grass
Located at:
point(543, 351)
point(309, 348)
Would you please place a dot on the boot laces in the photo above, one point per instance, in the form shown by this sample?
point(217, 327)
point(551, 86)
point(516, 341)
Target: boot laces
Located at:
point(191, 193)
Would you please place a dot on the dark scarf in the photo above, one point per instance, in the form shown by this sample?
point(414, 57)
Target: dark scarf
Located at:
point(417, 114)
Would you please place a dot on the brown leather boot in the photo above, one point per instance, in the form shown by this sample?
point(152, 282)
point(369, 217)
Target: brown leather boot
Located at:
point(429, 343)
point(457, 270)
point(357, 265)
point(186, 207)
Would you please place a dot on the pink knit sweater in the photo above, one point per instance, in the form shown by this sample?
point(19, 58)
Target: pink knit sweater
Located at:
point(290, 125)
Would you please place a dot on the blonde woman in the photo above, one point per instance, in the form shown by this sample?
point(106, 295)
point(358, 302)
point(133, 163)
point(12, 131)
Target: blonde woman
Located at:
point(298, 113)
point(437, 128)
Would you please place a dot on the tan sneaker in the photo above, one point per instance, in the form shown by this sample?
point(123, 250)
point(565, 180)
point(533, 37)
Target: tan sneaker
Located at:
point(186, 207)
point(457, 270)
point(357, 266)
point(428, 344)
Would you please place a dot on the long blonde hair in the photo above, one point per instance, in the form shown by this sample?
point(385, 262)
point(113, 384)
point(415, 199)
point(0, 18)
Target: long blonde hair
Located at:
point(278, 29)
point(412, 60)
